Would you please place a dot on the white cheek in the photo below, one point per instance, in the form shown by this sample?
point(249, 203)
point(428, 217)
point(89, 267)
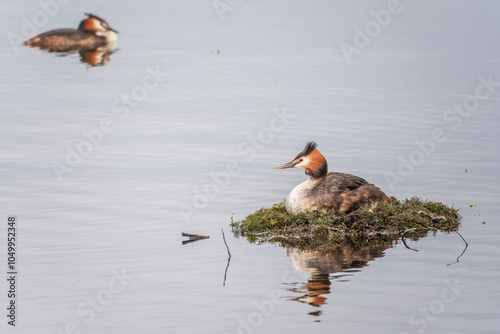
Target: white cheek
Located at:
point(303, 164)
point(102, 28)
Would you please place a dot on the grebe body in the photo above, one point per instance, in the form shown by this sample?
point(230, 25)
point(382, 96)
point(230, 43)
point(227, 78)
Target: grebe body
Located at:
point(93, 32)
point(325, 191)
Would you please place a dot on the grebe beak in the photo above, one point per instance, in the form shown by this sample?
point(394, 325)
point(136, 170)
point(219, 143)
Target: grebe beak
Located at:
point(291, 164)
point(109, 28)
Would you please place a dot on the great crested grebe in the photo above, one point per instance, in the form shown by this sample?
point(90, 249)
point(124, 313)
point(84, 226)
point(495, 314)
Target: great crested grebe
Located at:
point(93, 32)
point(325, 191)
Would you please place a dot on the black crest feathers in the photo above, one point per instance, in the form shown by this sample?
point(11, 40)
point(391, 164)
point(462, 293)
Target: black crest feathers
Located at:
point(95, 17)
point(310, 146)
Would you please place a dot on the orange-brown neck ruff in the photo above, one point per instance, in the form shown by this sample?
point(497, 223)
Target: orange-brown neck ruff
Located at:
point(317, 167)
point(88, 25)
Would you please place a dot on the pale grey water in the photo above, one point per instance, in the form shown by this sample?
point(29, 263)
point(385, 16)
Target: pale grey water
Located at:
point(119, 208)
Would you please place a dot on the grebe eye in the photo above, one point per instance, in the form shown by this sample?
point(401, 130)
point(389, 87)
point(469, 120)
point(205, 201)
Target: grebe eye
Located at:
point(300, 160)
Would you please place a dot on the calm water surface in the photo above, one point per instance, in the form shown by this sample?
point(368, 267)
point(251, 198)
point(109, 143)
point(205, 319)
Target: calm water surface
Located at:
point(99, 248)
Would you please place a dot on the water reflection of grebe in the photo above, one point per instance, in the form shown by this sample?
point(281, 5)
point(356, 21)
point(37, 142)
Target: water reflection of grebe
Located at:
point(94, 40)
point(98, 56)
point(321, 264)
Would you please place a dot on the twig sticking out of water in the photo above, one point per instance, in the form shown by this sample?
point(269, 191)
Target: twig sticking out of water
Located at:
point(224, 237)
point(228, 259)
point(466, 245)
point(411, 230)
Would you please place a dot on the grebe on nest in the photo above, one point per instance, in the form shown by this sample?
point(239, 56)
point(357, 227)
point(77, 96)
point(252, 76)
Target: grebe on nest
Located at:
point(325, 191)
point(93, 32)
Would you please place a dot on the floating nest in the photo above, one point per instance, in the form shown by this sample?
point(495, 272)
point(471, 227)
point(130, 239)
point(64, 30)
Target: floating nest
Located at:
point(412, 218)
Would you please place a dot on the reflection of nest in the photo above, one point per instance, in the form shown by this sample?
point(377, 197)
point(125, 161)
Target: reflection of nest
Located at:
point(340, 259)
point(320, 264)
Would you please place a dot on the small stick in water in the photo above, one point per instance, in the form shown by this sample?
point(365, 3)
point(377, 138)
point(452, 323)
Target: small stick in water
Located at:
point(193, 237)
point(228, 259)
point(224, 237)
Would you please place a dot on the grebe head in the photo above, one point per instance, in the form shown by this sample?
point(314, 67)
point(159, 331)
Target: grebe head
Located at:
point(96, 25)
point(309, 159)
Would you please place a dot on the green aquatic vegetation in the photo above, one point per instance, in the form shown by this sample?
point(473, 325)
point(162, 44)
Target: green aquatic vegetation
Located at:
point(414, 217)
